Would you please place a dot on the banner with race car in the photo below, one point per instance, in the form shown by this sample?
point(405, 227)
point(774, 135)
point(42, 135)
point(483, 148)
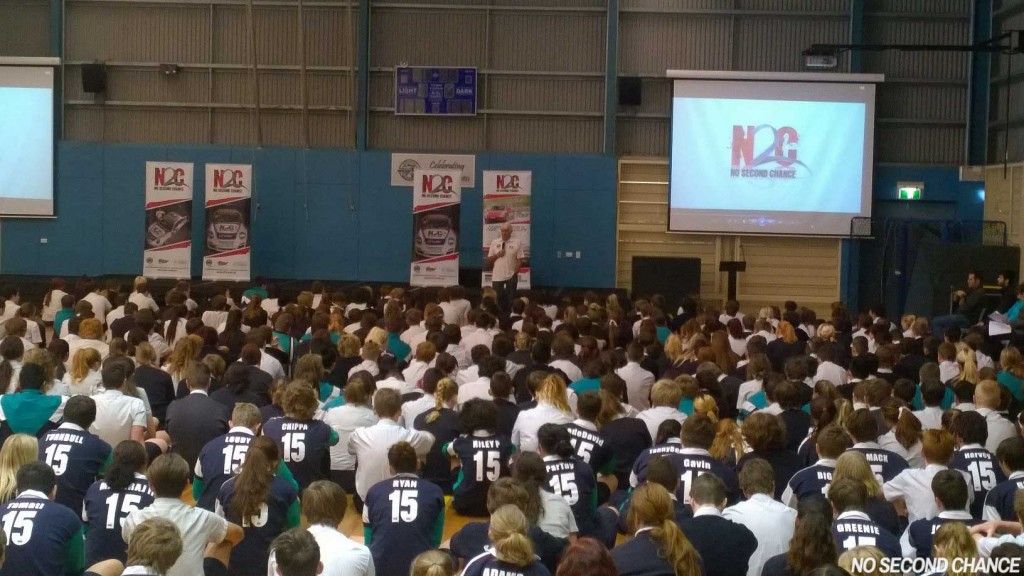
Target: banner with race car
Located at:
point(436, 200)
point(228, 222)
point(507, 200)
point(168, 249)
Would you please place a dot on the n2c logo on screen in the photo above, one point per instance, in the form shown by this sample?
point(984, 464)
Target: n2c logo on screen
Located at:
point(229, 180)
point(167, 177)
point(778, 159)
point(437, 184)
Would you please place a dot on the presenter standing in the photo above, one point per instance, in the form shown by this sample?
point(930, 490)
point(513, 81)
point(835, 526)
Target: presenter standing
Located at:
point(506, 256)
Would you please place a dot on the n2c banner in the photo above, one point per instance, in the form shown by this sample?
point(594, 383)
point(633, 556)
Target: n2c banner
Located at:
point(228, 222)
point(507, 201)
point(168, 249)
point(437, 195)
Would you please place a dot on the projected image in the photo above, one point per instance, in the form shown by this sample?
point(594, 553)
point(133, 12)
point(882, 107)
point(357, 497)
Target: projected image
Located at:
point(763, 158)
point(26, 134)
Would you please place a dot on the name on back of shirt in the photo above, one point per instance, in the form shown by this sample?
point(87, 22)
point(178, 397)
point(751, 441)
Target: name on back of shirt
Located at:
point(859, 528)
point(560, 466)
point(64, 438)
point(500, 572)
point(825, 475)
point(484, 444)
point(588, 436)
point(404, 483)
point(700, 464)
point(876, 457)
point(294, 426)
point(25, 505)
point(240, 439)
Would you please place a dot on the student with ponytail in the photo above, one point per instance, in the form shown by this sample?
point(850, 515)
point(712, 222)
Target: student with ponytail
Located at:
point(574, 480)
point(512, 553)
point(443, 422)
point(904, 435)
point(122, 489)
point(433, 563)
point(482, 453)
point(658, 545)
point(263, 504)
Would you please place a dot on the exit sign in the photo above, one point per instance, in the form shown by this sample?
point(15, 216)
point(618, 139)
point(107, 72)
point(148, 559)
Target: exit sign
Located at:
point(909, 190)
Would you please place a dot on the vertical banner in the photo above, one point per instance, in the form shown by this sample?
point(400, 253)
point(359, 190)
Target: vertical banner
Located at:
point(168, 249)
point(228, 222)
point(437, 195)
point(507, 200)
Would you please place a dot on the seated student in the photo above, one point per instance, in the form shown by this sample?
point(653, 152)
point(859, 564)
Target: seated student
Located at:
point(263, 503)
point(912, 486)
point(995, 533)
point(168, 477)
point(969, 434)
point(658, 545)
point(76, 456)
point(29, 410)
point(304, 442)
point(665, 397)
point(512, 552)
point(473, 539)
point(443, 423)
point(830, 444)
point(812, 545)
point(122, 490)
point(587, 439)
point(43, 538)
point(482, 454)
point(854, 465)
point(659, 471)
point(155, 547)
point(988, 399)
point(863, 428)
point(853, 528)
point(796, 421)
point(724, 545)
point(434, 563)
point(221, 457)
point(555, 515)
point(766, 436)
point(625, 436)
point(404, 515)
point(950, 493)
point(932, 394)
point(904, 435)
point(999, 500)
point(770, 521)
point(501, 390)
point(573, 480)
point(697, 435)
point(297, 554)
point(666, 441)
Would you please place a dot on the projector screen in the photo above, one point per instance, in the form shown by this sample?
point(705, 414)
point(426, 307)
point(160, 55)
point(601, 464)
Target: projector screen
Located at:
point(766, 157)
point(26, 141)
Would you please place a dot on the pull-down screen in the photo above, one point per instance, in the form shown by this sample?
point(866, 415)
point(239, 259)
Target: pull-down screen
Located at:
point(26, 141)
point(759, 157)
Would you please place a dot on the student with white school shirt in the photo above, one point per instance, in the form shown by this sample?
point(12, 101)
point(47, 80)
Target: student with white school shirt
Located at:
point(90, 334)
point(552, 408)
point(369, 352)
point(987, 397)
point(394, 379)
point(563, 349)
point(665, 397)
point(932, 392)
point(638, 380)
point(100, 305)
point(345, 420)
point(425, 403)
point(370, 445)
point(414, 321)
point(140, 295)
point(771, 521)
point(423, 359)
point(914, 485)
point(51, 302)
point(118, 416)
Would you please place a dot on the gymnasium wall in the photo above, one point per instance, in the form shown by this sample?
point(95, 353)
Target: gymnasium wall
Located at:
point(328, 214)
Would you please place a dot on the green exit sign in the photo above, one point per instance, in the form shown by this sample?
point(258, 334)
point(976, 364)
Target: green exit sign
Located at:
point(909, 190)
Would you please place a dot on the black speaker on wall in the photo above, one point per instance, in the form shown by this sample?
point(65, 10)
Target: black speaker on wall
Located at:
point(631, 91)
point(94, 78)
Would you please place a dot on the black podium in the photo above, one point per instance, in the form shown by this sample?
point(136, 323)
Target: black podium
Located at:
point(732, 267)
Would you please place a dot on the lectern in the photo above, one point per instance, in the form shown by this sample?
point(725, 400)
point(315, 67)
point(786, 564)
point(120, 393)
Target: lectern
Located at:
point(732, 267)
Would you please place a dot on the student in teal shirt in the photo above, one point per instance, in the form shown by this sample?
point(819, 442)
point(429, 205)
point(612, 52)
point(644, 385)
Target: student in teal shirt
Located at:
point(29, 411)
point(1012, 375)
point(66, 312)
point(591, 381)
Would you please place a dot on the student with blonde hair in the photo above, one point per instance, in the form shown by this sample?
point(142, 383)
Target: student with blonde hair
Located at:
point(552, 407)
point(988, 399)
point(848, 559)
point(665, 397)
point(513, 549)
point(853, 465)
point(951, 541)
point(17, 450)
point(658, 545)
point(443, 423)
point(84, 376)
point(433, 563)
point(155, 545)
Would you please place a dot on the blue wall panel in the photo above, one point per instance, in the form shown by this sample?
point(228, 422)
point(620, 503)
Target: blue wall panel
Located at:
point(329, 214)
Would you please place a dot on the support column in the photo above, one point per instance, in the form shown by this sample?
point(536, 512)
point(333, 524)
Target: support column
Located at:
point(611, 77)
point(980, 77)
point(363, 75)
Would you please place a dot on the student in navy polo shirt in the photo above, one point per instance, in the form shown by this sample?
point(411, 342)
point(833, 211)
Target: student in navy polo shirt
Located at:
point(658, 545)
point(970, 431)
point(403, 515)
point(999, 500)
point(304, 442)
point(585, 436)
point(830, 444)
point(43, 538)
point(667, 442)
point(950, 490)
point(482, 454)
point(863, 428)
point(512, 554)
point(659, 471)
point(122, 490)
point(724, 546)
point(262, 503)
point(698, 433)
point(853, 528)
point(77, 456)
point(573, 480)
point(223, 455)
